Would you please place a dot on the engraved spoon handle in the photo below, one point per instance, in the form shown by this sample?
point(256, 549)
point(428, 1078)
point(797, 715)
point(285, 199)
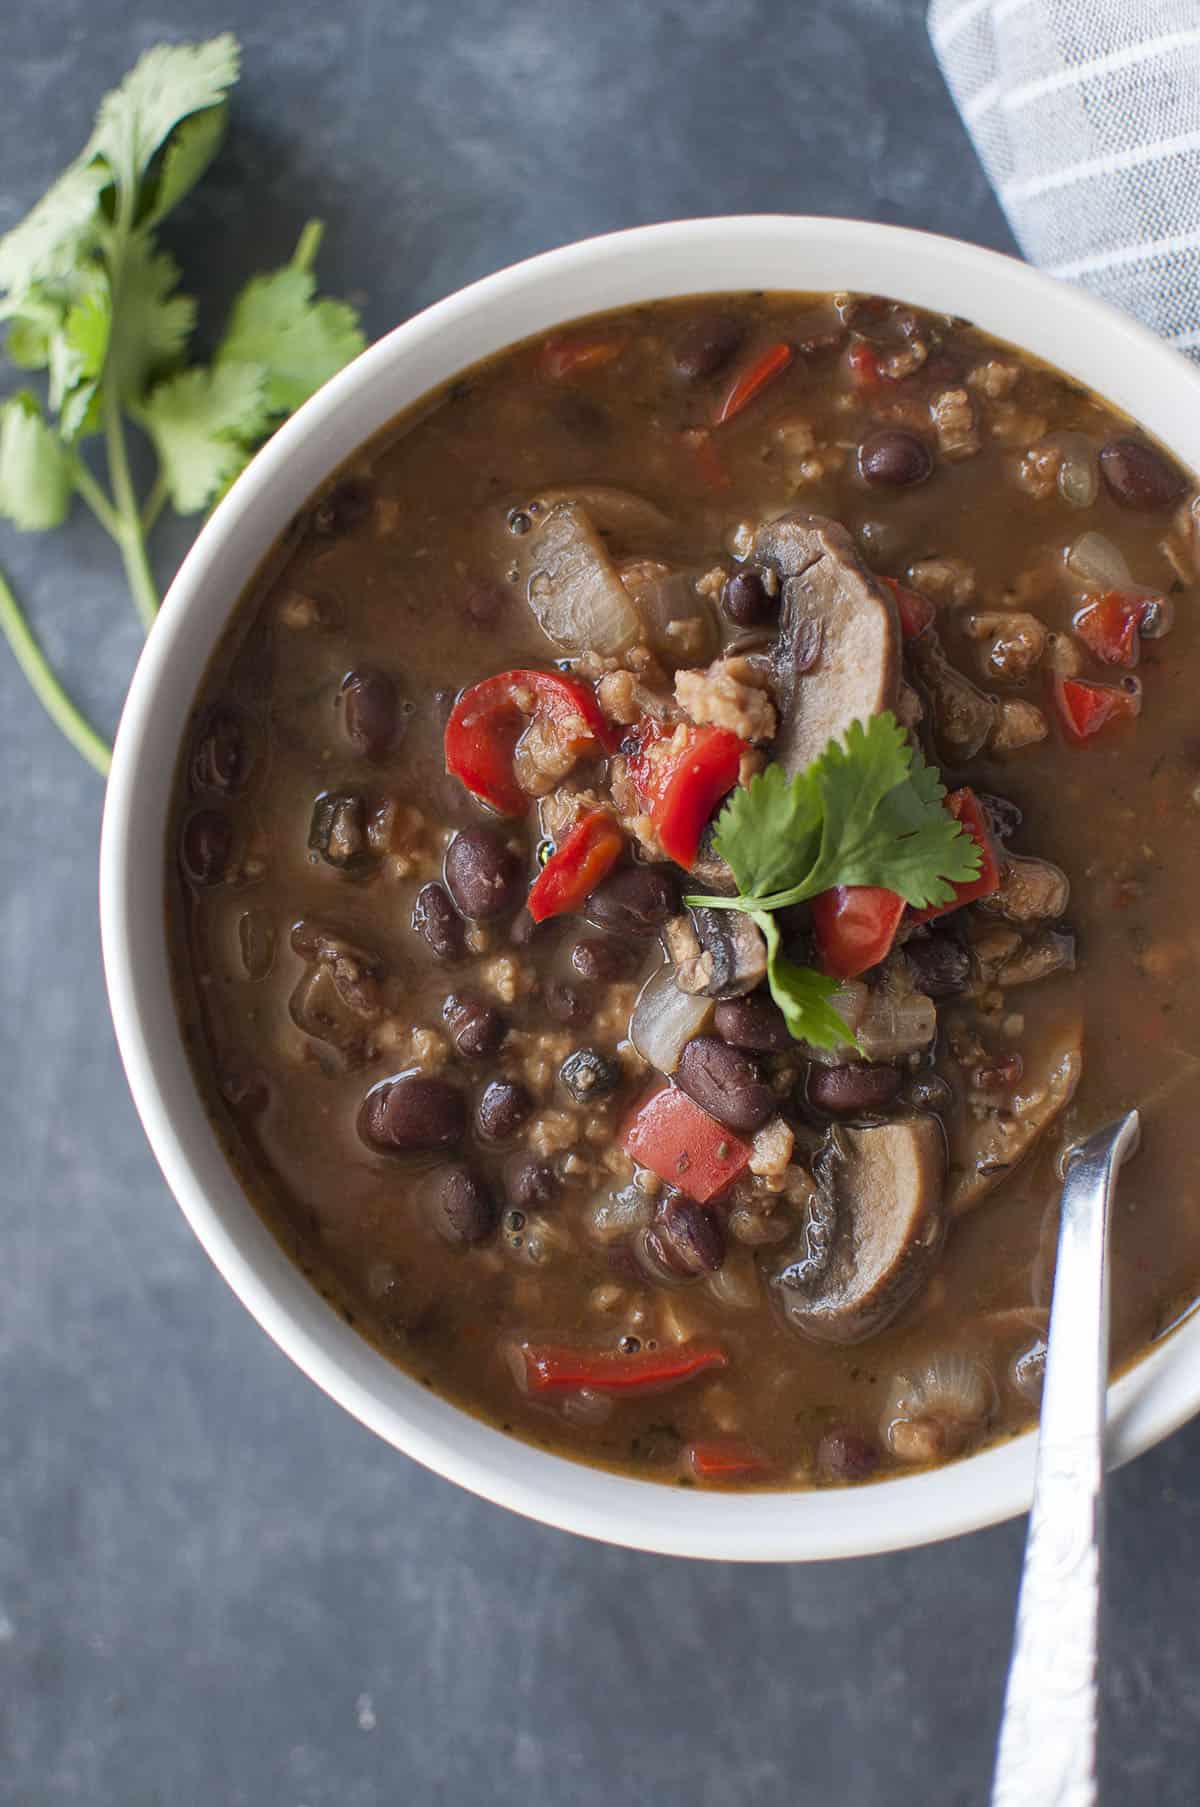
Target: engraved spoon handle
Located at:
point(1047, 1748)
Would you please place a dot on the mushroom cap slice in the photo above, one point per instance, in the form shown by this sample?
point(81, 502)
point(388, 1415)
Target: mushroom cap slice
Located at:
point(885, 1182)
point(837, 658)
point(719, 953)
point(574, 592)
point(984, 1150)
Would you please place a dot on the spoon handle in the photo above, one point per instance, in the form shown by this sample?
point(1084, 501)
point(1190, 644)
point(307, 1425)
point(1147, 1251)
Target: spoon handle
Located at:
point(1047, 1748)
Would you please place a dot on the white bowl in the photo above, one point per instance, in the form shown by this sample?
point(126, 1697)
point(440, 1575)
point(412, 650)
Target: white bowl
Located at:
point(1109, 353)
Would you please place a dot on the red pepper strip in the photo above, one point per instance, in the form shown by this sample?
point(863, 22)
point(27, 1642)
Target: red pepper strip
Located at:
point(681, 789)
point(966, 808)
point(916, 611)
point(769, 364)
point(560, 358)
point(573, 871)
point(855, 926)
point(558, 1368)
point(684, 1146)
point(866, 372)
point(726, 1459)
point(489, 718)
point(708, 460)
point(1109, 626)
point(1084, 708)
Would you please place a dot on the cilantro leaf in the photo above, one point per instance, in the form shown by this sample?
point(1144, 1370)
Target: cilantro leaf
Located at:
point(184, 158)
point(203, 424)
point(298, 342)
point(166, 86)
point(151, 324)
point(804, 996)
point(36, 470)
point(768, 832)
point(49, 241)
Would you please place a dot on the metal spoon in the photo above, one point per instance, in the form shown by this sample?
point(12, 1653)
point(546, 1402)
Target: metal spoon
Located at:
point(1047, 1749)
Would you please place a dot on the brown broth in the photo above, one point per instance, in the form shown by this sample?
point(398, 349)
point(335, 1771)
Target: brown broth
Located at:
point(1118, 814)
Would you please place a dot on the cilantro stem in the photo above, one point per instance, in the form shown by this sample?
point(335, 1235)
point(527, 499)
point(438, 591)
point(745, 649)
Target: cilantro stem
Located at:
point(65, 715)
point(307, 245)
point(91, 492)
point(155, 503)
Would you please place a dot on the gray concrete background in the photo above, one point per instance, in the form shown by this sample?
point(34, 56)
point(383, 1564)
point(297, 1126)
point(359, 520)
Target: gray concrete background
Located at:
point(214, 1587)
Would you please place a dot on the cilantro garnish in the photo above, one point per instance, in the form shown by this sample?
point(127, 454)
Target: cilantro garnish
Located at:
point(92, 301)
point(867, 812)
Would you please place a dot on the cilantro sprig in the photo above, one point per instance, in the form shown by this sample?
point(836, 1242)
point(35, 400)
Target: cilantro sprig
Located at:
point(869, 811)
point(92, 301)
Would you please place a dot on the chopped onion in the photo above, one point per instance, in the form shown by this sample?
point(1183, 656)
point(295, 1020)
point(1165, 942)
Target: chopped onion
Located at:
point(665, 1019)
point(851, 1001)
point(1079, 472)
point(615, 1215)
point(897, 1023)
point(679, 622)
point(574, 590)
point(1097, 561)
point(928, 1413)
point(735, 1284)
point(620, 512)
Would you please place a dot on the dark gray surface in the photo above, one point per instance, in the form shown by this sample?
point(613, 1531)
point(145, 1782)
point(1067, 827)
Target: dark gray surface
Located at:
point(214, 1587)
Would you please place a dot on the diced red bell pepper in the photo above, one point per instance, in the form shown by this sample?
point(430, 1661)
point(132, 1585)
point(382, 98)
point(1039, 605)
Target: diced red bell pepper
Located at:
point(681, 788)
point(726, 1459)
point(866, 368)
point(684, 1146)
point(709, 466)
point(1085, 708)
point(489, 718)
point(575, 354)
point(549, 1368)
point(766, 367)
point(916, 612)
point(966, 808)
point(1110, 626)
point(855, 926)
point(573, 871)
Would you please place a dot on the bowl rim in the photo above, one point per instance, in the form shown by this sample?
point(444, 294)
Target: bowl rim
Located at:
point(1067, 327)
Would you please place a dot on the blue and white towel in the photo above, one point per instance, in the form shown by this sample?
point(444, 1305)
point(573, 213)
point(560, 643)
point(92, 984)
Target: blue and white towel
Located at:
point(1086, 117)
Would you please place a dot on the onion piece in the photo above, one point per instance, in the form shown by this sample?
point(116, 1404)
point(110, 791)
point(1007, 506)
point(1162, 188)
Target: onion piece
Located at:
point(574, 591)
point(930, 1413)
point(1079, 471)
point(679, 623)
point(665, 1019)
point(851, 1000)
point(1097, 560)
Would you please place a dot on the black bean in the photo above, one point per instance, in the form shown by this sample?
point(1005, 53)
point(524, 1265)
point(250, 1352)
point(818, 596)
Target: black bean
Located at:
point(435, 918)
point(939, 963)
point(462, 1206)
point(846, 1455)
point(707, 346)
point(850, 1090)
point(483, 875)
point(207, 840)
point(604, 959)
point(221, 761)
point(685, 1238)
point(1138, 475)
point(587, 1074)
point(502, 1109)
point(1003, 815)
point(745, 600)
point(338, 830)
point(532, 1185)
point(414, 1112)
point(570, 1004)
point(476, 1029)
point(726, 1083)
point(344, 508)
point(755, 1023)
point(890, 458)
point(369, 706)
point(635, 901)
point(485, 603)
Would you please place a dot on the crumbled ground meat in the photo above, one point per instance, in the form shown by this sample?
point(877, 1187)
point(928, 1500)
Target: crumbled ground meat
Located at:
point(506, 978)
point(1018, 724)
point(552, 1132)
point(629, 807)
point(298, 611)
point(731, 693)
point(950, 581)
point(611, 1018)
point(953, 417)
point(1012, 641)
point(1063, 656)
point(1013, 425)
point(413, 848)
point(712, 583)
point(623, 696)
point(561, 809)
point(414, 1049)
point(544, 754)
point(1038, 471)
point(994, 379)
point(752, 762)
point(906, 361)
point(771, 1150)
point(535, 1058)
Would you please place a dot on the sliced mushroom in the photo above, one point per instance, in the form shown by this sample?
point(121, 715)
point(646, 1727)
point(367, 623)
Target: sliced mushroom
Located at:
point(985, 1148)
point(617, 514)
point(963, 716)
point(709, 871)
point(717, 953)
point(1030, 890)
point(573, 587)
point(1047, 951)
point(884, 1182)
point(837, 626)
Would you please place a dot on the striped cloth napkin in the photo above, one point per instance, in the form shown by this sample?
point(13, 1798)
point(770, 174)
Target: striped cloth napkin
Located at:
point(1086, 117)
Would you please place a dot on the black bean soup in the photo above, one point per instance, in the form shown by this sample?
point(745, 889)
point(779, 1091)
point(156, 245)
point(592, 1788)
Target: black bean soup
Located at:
point(537, 1127)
